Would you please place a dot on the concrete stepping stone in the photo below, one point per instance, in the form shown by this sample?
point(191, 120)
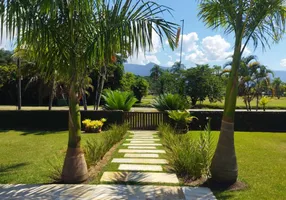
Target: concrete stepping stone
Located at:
point(138, 167)
point(129, 144)
point(140, 147)
point(133, 155)
point(139, 177)
point(141, 151)
point(139, 160)
point(140, 141)
point(143, 139)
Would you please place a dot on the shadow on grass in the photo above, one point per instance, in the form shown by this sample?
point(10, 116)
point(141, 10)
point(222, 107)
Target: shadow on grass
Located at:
point(10, 168)
point(38, 132)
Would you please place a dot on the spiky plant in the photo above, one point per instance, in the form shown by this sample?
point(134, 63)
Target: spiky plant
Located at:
point(170, 102)
point(117, 100)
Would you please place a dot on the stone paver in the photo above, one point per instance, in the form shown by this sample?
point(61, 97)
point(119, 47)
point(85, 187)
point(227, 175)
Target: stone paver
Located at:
point(130, 155)
point(139, 160)
point(141, 151)
point(140, 147)
point(103, 192)
point(143, 139)
point(145, 177)
point(132, 167)
point(129, 144)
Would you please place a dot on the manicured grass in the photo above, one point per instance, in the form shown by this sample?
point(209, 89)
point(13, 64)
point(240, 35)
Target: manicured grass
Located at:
point(261, 163)
point(25, 156)
point(273, 104)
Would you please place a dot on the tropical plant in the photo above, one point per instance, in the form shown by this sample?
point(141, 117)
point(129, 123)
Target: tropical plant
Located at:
point(181, 119)
point(264, 101)
point(95, 149)
point(156, 72)
point(277, 87)
point(127, 81)
point(170, 102)
point(256, 20)
point(80, 34)
point(117, 100)
point(189, 156)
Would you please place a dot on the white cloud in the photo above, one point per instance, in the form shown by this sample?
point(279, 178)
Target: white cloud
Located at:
point(212, 48)
point(283, 62)
point(170, 63)
point(142, 59)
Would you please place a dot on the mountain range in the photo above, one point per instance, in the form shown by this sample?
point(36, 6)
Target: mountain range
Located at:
point(144, 70)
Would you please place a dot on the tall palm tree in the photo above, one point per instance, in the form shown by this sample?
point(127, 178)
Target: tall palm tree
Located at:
point(71, 32)
point(156, 72)
point(256, 20)
point(277, 87)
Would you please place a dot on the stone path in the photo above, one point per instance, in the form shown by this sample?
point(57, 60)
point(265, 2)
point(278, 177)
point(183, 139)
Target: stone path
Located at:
point(102, 192)
point(141, 162)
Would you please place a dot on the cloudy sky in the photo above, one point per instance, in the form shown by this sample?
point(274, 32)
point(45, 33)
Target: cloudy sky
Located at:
point(203, 45)
point(200, 44)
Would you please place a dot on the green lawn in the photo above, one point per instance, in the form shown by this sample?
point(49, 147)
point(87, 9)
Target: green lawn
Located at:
point(262, 165)
point(25, 156)
point(273, 104)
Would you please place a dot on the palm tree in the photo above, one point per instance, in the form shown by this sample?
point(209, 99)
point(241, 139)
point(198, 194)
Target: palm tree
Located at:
point(256, 20)
point(247, 69)
point(71, 32)
point(177, 68)
point(156, 72)
point(277, 87)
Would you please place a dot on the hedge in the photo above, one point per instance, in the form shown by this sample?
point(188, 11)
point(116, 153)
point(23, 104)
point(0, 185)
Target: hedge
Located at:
point(51, 120)
point(244, 121)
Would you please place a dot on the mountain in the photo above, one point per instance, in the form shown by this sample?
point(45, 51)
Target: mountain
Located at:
point(144, 70)
point(281, 74)
point(141, 70)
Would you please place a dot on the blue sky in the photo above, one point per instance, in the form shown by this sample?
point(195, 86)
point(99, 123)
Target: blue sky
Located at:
point(201, 44)
point(204, 45)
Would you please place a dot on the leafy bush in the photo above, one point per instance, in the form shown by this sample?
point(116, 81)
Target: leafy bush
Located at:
point(140, 88)
point(264, 101)
point(117, 100)
point(95, 149)
point(170, 102)
point(189, 156)
point(181, 119)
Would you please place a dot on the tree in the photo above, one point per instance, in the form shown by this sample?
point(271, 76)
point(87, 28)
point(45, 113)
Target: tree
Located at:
point(201, 82)
point(256, 20)
point(127, 81)
point(277, 87)
point(156, 72)
point(74, 34)
point(140, 88)
point(177, 68)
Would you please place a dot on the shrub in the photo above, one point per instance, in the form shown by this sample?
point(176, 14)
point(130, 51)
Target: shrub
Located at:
point(181, 119)
point(170, 102)
point(117, 100)
point(92, 126)
point(189, 156)
point(140, 88)
point(264, 101)
point(96, 148)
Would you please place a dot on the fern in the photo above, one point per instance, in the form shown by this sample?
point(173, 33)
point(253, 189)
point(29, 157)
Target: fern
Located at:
point(116, 100)
point(170, 102)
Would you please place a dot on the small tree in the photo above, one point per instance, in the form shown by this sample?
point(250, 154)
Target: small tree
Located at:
point(140, 88)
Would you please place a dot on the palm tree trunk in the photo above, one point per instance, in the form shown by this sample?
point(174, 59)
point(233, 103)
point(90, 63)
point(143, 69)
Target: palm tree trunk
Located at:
point(84, 102)
point(224, 164)
point(19, 85)
point(75, 167)
point(97, 90)
point(103, 75)
point(52, 94)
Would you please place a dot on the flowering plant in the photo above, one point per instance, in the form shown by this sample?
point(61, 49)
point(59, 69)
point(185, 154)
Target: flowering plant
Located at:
point(93, 125)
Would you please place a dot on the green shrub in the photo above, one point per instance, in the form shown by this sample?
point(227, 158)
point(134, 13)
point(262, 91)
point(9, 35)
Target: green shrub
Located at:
point(181, 119)
point(189, 156)
point(117, 100)
point(170, 102)
point(95, 149)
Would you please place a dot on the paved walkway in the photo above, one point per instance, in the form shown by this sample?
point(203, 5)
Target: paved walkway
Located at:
point(102, 192)
point(142, 163)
